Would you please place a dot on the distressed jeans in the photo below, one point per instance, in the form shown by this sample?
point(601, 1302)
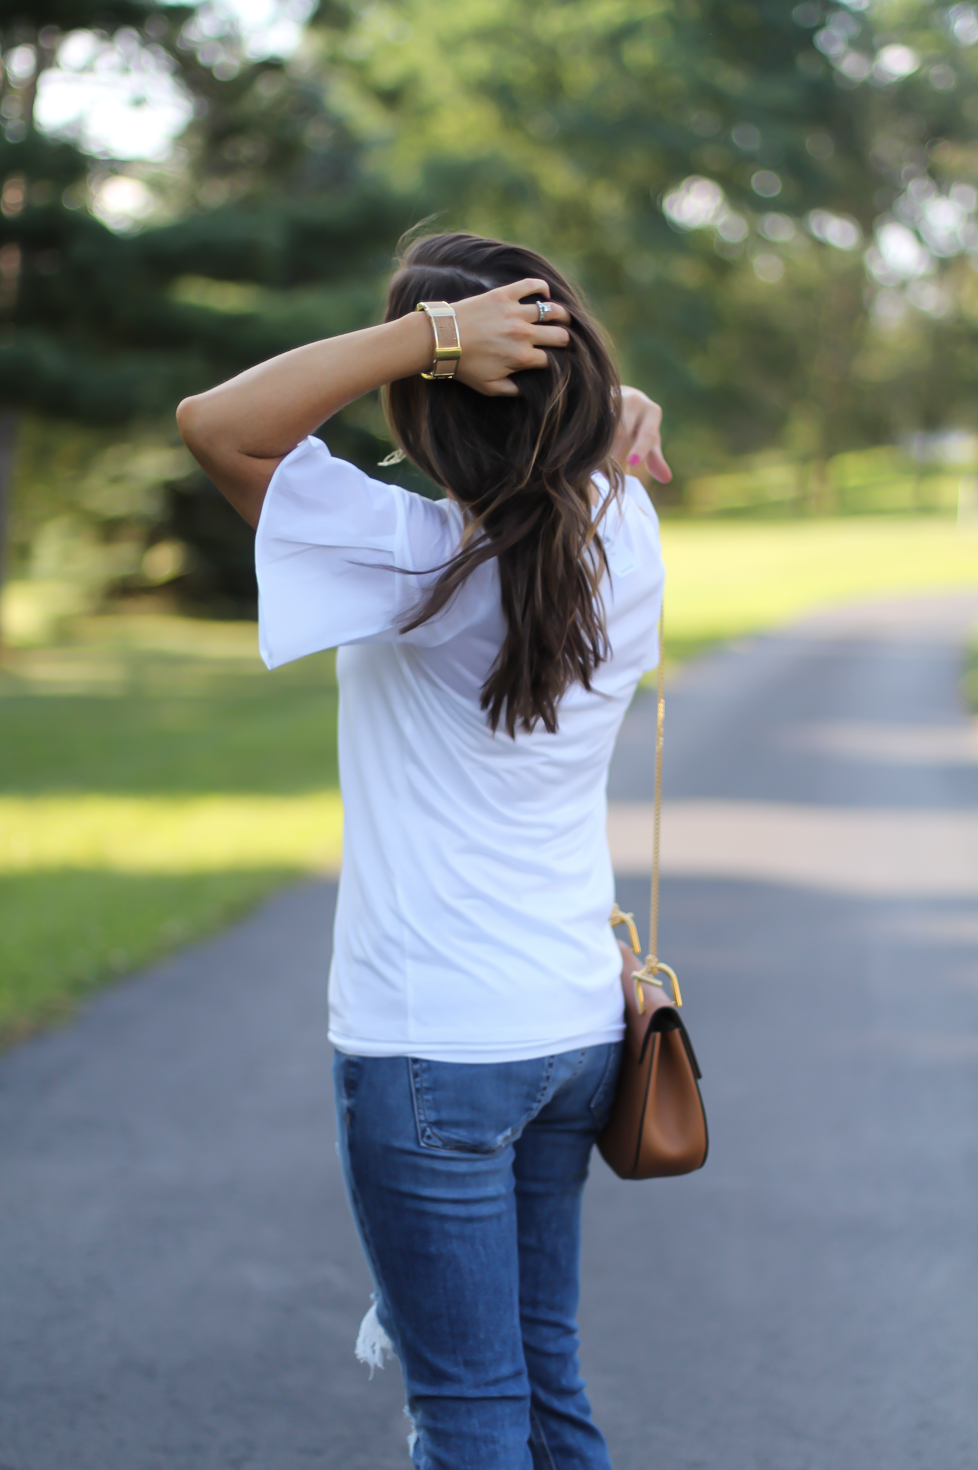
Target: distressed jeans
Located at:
point(465, 1181)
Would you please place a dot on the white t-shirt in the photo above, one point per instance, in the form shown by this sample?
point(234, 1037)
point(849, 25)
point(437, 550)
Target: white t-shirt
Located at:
point(472, 916)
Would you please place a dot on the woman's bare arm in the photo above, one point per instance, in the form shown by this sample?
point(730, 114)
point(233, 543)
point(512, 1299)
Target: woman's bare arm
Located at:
point(240, 431)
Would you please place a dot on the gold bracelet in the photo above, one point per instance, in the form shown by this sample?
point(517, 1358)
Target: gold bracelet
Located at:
point(448, 343)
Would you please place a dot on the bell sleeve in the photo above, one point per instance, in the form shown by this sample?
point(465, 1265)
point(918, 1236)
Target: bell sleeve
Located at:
point(340, 558)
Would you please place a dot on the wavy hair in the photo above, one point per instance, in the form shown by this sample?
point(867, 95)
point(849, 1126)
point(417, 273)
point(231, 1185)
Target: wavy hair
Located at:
point(521, 468)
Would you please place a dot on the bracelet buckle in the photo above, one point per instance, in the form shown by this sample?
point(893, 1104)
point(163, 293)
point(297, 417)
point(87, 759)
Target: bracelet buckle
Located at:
point(448, 343)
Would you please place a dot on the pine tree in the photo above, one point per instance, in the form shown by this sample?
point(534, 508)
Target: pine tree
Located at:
point(29, 33)
point(102, 327)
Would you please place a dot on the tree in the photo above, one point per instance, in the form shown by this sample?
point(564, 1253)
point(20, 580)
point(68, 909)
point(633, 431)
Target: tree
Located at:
point(774, 207)
point(109, 328)
point(28, 39)
point(715, 172)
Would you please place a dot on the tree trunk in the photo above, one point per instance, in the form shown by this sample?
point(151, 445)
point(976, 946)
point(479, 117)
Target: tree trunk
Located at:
point(8, 443)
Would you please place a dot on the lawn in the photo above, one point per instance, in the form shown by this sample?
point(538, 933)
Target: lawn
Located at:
point(156, 781)
point(731, 577)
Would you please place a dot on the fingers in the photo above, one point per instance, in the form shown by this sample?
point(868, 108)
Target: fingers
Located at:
point(643, 438)
point(658, 468)
point(531, 358)
point(530, 287)
point(497, 388)
point(647, 448)
point(640, 432)
point(557, 313)
point(535, 359)
point(507, 335)
point(551, 337)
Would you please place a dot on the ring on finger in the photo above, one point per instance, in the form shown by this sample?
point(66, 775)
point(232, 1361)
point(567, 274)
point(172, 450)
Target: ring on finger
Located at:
point(544, 309)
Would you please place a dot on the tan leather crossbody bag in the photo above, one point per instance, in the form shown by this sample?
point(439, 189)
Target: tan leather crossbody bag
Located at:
point(658, 1124)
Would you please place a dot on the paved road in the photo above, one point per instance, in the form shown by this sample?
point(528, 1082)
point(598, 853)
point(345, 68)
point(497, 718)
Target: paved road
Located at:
point(180, 1284)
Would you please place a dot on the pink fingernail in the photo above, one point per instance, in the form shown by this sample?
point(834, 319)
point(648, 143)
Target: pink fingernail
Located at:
point(634, 459)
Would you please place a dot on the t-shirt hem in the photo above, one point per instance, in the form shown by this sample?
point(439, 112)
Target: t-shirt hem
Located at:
point(475, 1051)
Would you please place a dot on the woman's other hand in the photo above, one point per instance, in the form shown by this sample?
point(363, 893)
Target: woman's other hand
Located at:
point(639, 440)
point(500, 335)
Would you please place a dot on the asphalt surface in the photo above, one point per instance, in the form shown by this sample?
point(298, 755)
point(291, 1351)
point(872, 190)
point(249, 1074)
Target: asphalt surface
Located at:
point(180, 1284)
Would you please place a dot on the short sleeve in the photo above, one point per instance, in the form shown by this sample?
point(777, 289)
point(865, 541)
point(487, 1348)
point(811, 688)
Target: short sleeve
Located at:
point(335, 552)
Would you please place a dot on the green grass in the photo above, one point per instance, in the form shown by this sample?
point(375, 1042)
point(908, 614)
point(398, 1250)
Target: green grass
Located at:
point(728, 578)
point(156, 781)
point(160, 705)
point(884, 479)
point(68, 930)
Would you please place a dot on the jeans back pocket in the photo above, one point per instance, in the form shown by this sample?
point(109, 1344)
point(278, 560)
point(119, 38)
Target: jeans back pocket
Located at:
point(477, 1107)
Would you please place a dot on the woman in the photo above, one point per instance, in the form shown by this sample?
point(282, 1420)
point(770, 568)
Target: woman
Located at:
point(489, 646)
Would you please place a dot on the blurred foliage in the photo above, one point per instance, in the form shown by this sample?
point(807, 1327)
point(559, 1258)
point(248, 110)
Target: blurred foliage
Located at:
point(88, 509)
point(104, 324)
point(772, 206)
point(885, 479)
point(95, 325)
point(714, 172)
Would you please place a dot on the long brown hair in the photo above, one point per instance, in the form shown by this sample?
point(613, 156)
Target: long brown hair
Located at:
point(521, 469)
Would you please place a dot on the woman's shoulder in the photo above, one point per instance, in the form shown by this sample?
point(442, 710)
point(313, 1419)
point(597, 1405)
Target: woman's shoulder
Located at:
point(629, 518)
point(633, 498)
point(637, 498)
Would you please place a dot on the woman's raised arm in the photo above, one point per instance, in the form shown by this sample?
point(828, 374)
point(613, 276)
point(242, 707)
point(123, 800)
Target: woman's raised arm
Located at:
point(240, 431)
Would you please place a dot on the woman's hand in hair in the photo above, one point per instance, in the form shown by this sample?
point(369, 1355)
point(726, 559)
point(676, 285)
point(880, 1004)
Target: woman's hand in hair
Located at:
point(639, 441)
point(501, 336)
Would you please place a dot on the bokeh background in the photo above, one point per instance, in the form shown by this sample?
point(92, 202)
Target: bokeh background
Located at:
point(774, 209)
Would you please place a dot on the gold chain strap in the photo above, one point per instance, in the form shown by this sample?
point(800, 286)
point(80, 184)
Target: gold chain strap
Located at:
point(653, 966)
